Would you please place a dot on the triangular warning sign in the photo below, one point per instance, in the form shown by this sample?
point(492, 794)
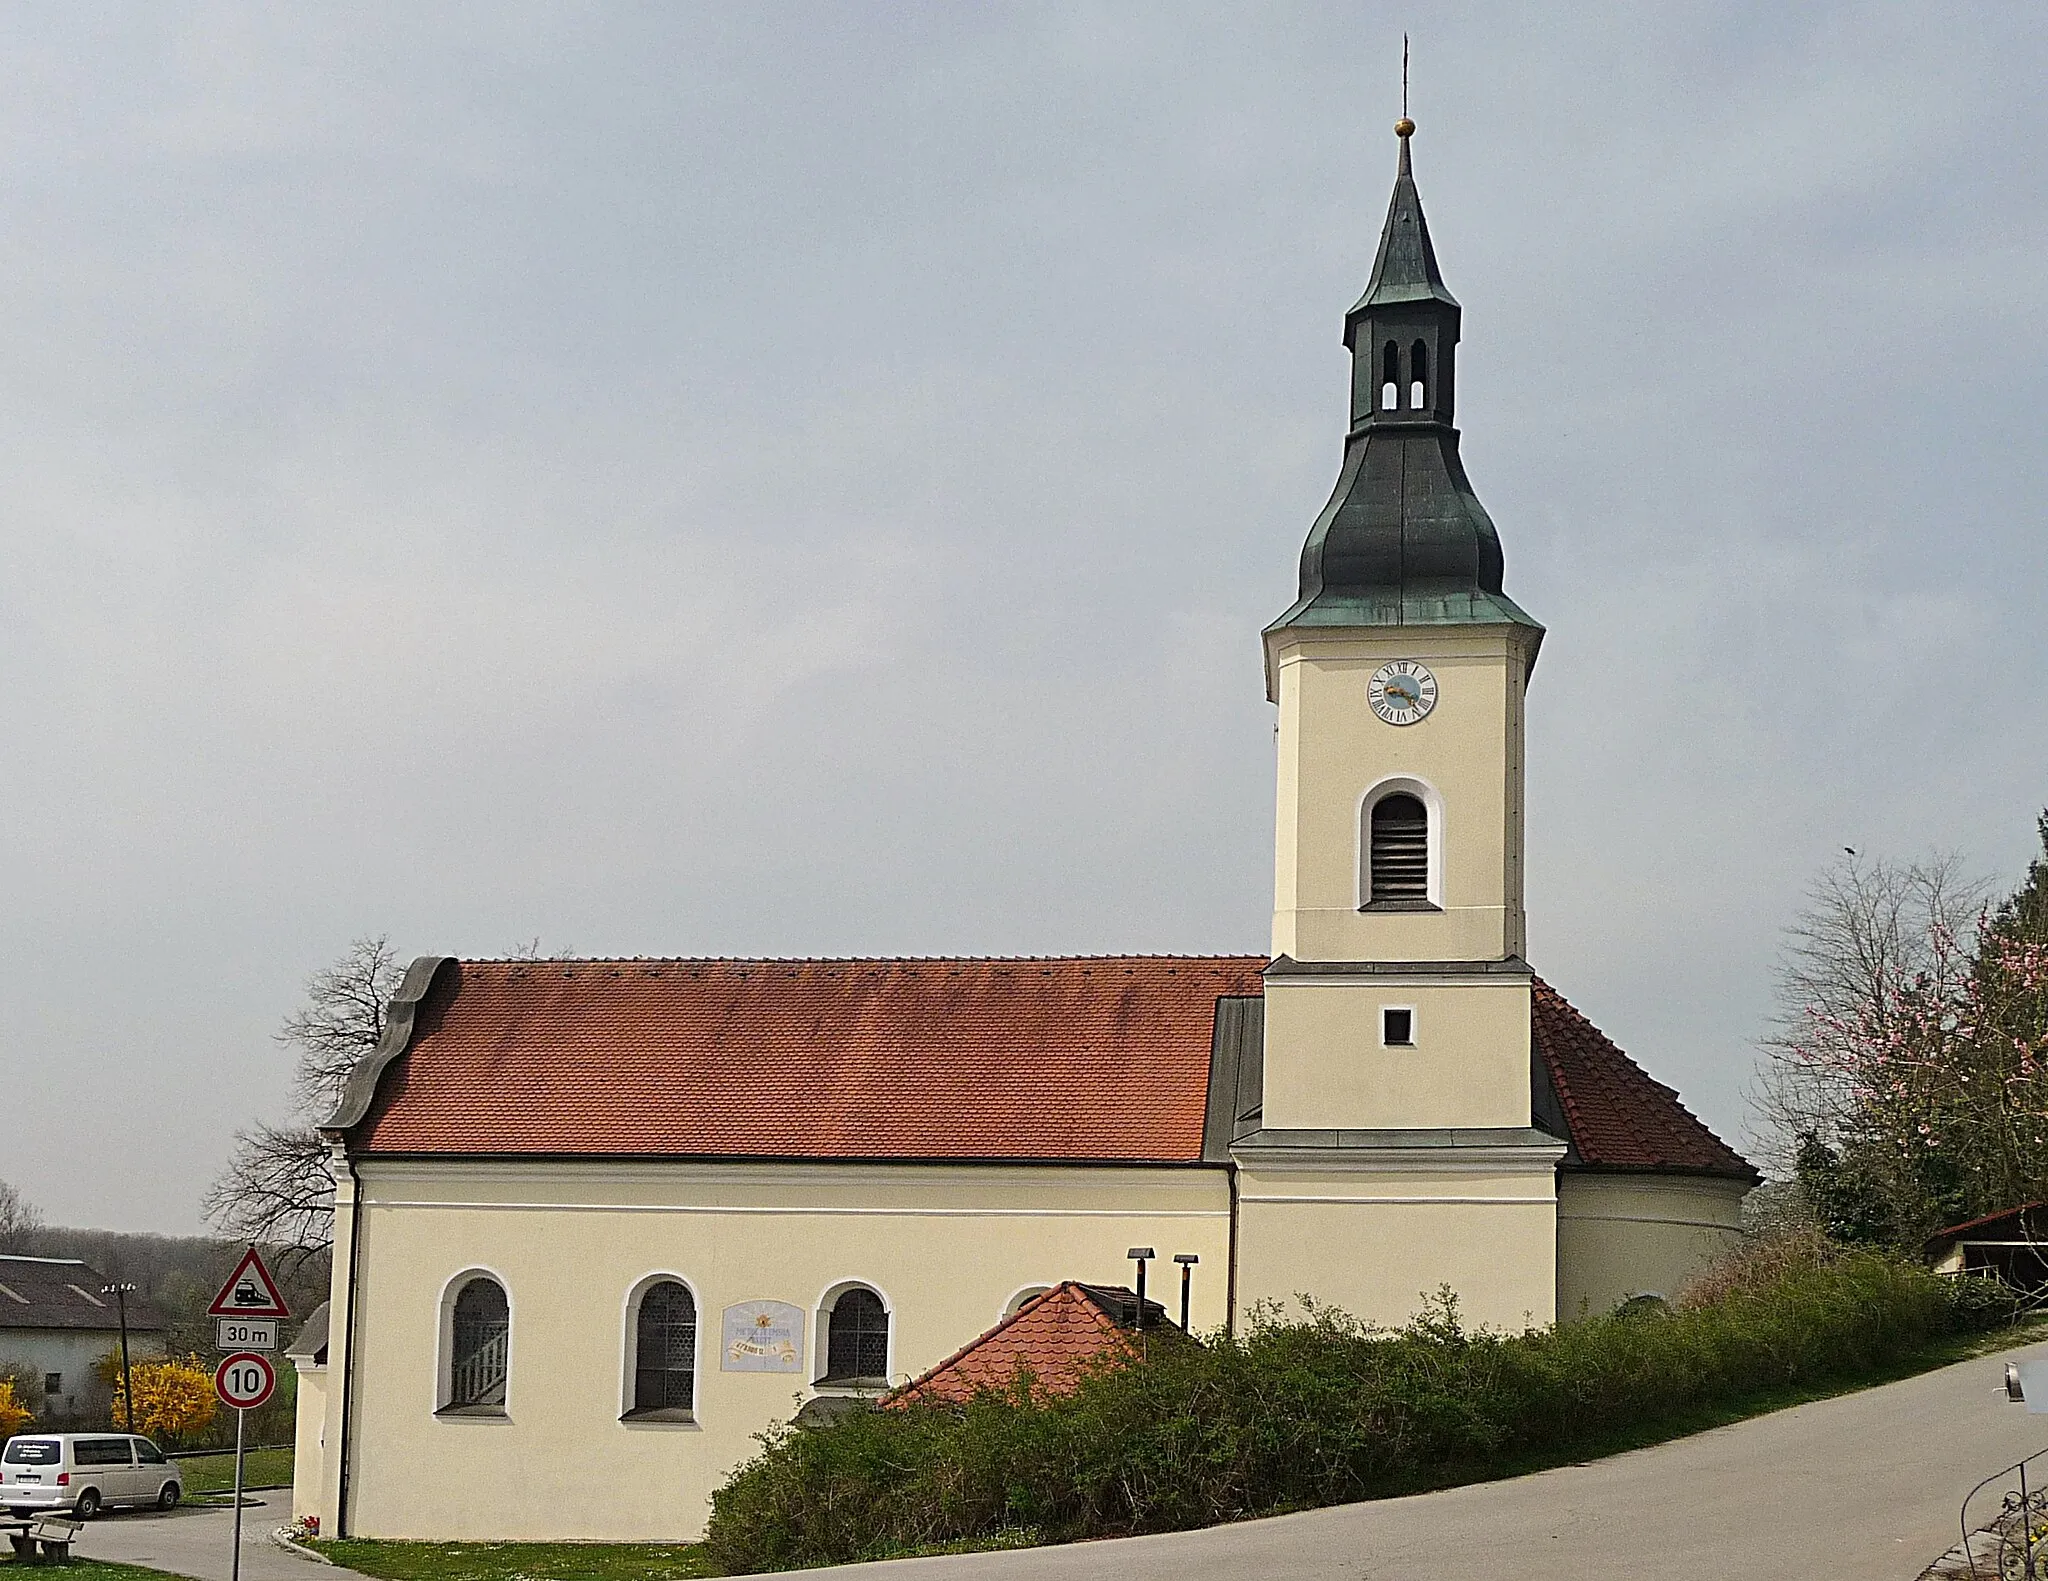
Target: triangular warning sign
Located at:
point(249, 1292)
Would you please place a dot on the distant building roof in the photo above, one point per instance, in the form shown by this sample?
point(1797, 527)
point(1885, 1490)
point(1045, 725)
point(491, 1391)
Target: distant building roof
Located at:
point(64, 1293)
point(1092, 1059)
point(2013, 1224)
point(1055, 1337)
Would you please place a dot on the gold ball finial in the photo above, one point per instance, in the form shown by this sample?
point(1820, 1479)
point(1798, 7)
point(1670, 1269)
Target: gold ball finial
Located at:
point(1404, 127)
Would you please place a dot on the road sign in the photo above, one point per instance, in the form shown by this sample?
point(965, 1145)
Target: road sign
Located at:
point(244, 1380)
point(249, 1292)
point(237, 1333)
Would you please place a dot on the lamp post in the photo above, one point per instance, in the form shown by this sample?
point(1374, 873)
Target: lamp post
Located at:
point(1187, 1261)
point(120, 1293)
point(1138, 1255)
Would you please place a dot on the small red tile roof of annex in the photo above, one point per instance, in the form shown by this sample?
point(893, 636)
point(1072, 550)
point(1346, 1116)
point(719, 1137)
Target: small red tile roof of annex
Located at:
point(1090, 1058)
point(1055, 1337)
point(1097, 1058)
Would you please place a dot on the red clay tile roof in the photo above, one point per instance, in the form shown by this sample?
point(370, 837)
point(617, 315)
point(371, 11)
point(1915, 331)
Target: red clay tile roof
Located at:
point(1619, 1117)
point(1096, 1058)
point(1055, 1337)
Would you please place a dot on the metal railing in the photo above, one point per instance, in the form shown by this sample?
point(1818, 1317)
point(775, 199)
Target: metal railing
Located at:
point(479, 1378)
point(2013, 1542)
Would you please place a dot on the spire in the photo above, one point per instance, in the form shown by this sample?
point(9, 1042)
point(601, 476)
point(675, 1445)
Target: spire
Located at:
point(1404, 540)
point(1405, 268)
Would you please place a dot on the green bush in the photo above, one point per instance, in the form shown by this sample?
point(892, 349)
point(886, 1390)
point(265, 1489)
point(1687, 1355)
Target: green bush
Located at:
point(1322, 1410)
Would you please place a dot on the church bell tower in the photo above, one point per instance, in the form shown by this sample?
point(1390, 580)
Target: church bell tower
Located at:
point(1396, 1016)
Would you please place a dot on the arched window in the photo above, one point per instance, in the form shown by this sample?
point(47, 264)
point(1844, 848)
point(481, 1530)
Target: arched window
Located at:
point(1418, 372)
point(1390, 377)
point(1017, 1302)
point(480, 1345)
point(856, 1338)
point(665, 1349)
point(1399, 851)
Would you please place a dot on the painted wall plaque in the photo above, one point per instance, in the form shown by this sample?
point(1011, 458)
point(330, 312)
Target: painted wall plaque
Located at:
point(762, 1336)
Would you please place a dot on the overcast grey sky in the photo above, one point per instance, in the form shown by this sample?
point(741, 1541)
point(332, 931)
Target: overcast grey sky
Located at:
point(808, 479)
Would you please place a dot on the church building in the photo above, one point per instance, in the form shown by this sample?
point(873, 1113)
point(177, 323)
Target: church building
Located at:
point(599, 1223)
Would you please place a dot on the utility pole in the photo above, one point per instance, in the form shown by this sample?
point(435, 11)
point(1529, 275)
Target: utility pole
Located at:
point(120, 1293)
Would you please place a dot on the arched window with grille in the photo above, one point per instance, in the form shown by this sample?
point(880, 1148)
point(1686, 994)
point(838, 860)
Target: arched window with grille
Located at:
point(856, 1338)
point(1418, 376)
point(1390, 377)
point(1397, 851)
point(479, 1346)
point(665, 1352)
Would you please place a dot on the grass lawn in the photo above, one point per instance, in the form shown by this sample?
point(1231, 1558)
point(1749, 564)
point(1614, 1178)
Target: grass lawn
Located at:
point(77, 1570)
point(266, 1468)
point(516, 1561)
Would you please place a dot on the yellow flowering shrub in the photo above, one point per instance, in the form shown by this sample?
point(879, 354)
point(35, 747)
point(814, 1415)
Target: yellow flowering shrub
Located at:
point(14, 1416)
point(173, 1397)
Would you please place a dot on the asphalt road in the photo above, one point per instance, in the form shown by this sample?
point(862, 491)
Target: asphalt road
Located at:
point(1866, 1485)
point(197, 1542)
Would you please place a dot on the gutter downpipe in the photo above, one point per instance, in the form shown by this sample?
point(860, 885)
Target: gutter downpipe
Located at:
point(1230, 1297)
point(348, 1329)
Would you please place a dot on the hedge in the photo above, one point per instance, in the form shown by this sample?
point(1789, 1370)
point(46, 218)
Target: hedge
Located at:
point(1322, 1409)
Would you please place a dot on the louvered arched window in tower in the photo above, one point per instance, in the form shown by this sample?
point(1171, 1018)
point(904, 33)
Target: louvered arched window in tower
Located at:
point(1397, 860)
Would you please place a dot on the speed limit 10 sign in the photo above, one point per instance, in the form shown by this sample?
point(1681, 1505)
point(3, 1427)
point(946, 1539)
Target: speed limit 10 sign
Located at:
point(244, 1380)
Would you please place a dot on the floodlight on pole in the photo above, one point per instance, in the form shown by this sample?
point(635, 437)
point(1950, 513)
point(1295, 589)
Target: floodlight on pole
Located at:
point(1140, 1255)
point(1187, 1261)
point(120, 1292)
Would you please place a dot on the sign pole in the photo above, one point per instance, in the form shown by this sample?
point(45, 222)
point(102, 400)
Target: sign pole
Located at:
point(250, 1308)
point(235, 1564)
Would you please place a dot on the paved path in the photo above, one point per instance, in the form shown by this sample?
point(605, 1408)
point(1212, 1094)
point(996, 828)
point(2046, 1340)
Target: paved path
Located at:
point(196, 1542)
point(1865, 1485)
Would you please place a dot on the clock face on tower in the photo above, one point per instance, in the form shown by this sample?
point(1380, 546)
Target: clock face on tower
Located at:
point(1402, 692)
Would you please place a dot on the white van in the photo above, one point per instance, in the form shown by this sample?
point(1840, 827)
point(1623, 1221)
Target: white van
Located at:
point(84, 1473)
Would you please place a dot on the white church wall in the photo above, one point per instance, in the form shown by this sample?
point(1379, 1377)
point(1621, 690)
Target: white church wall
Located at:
point(309, 1438)
point(1379, 1242)
point(1622, 1235)
point(945, 1246)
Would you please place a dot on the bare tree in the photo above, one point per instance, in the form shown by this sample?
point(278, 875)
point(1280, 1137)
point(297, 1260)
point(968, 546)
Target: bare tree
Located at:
point(20, 1219)
point(341, 1021)
point(277, 1188)
point(1867, 925)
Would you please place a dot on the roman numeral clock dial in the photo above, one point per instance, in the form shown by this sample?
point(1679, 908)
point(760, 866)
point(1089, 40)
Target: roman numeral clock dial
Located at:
point(1401, 692)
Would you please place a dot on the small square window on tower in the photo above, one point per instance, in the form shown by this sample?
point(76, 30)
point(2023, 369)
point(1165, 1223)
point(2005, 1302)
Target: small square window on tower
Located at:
point(1397, 1027)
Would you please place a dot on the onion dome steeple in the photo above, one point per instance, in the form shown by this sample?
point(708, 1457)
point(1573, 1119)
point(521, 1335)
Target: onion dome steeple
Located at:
point(1404, 540)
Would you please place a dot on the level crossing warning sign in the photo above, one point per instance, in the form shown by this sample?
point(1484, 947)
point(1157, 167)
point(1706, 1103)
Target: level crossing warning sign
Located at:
point(249, 1293)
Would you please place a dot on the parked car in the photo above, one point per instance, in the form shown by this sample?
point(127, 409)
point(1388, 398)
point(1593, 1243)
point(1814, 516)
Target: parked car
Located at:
point(84, 1473)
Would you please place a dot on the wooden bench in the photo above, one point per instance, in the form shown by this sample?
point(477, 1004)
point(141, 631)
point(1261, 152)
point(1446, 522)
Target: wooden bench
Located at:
point(43, 1539)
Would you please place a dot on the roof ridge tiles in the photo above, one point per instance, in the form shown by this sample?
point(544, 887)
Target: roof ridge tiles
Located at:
point(844, 960)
